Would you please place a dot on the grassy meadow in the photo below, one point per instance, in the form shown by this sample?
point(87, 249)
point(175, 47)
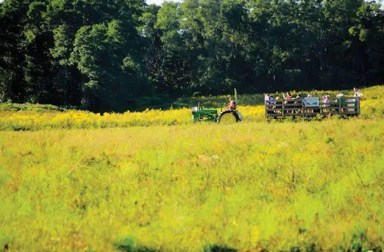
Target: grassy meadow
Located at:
point(154, 181)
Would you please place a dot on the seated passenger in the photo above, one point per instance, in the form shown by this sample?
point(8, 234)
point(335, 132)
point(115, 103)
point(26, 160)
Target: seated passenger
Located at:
point(287, 97)
point(357, 93)
point(277, 100)
point(269, 99)
point(266, 97)
point(326, 100)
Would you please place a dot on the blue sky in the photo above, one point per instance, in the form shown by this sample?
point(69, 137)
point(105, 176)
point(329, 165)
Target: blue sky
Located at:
point(159, 2)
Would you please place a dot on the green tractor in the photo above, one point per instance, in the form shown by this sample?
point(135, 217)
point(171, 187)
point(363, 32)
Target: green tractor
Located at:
point(229, 115)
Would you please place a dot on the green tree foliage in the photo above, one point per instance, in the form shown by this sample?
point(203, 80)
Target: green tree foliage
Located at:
point(72, 53)
point(12, 21)
point(107, 55)
point(112, 71)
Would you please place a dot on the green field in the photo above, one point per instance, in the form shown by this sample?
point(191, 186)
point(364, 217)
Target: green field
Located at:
point(252, 186)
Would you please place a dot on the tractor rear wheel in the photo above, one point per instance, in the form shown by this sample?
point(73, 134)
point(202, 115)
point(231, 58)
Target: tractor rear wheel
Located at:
point(228, 117)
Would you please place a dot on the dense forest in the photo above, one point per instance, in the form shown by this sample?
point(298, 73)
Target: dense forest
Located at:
point(114, 55)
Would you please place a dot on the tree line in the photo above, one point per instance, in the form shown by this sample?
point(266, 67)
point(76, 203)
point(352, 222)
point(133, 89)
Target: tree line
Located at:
point(114, 55)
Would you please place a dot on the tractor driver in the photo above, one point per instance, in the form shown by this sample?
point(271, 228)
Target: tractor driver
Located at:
point(232, 104)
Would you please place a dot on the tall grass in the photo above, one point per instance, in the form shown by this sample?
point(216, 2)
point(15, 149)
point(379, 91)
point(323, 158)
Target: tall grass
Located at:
point(155, 181)
point(275, 186)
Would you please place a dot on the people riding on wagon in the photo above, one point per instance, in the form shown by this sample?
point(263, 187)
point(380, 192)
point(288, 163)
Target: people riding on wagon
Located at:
point(326, 100)
point(287, 97)
point(269, 99)
point(357, 93)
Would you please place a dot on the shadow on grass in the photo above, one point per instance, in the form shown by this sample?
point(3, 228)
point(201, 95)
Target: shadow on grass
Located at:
point(218, 248)
point(131, 245)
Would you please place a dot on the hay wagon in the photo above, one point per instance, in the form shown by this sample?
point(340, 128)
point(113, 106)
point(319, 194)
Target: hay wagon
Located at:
point(312, 107)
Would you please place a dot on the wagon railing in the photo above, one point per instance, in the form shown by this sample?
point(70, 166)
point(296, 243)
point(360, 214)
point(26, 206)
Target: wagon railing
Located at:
point(312, 107)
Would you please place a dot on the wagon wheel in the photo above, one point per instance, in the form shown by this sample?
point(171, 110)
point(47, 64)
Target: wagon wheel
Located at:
point(228, 117)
